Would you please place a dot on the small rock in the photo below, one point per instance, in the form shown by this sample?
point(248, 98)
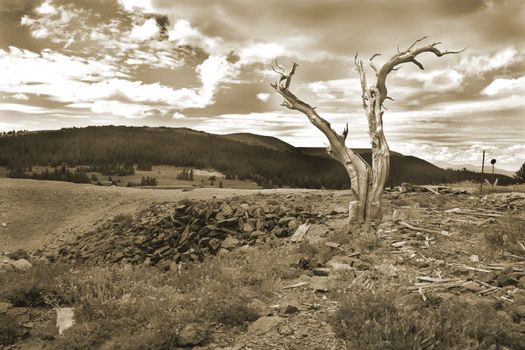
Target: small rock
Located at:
point(256, 234)
point(4, 307)
point(248, 228)
point(230, 242)
point(223, 252)
point(226, 210)
point(303, 333)
point(293, 225)
point(300, 232)
point(280, 232)
point(474, 258)
point(472, 286)
point(265, 324)
point(287, 219)
point(285, 330)
point(174, 266)
point(290, 309)
point(4, 224)
point(21, 264)
point(333, 245)
point(214, 244)
point(192, 334)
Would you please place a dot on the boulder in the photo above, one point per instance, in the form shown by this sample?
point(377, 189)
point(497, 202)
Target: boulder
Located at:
point(21, 264)
point(337, 209)
point(265, 324)
point(18, 254)
point(192, 334)
point(409, 213)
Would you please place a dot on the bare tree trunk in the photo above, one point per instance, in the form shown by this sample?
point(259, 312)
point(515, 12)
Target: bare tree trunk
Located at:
point(355, 166)
point(367, 183)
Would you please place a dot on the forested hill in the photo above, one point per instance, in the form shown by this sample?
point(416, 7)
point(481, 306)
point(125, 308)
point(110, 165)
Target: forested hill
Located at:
point(265, 160)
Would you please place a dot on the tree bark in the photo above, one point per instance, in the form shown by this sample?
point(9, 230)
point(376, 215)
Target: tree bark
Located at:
point(367, 183)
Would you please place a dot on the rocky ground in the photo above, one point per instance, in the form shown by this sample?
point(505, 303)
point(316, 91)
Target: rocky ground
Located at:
point(34, 212)
point(280, 270)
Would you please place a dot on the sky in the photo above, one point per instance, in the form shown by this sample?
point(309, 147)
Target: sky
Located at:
point(207, 65)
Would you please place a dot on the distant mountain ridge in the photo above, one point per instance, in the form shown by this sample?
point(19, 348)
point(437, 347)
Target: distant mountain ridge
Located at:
point(476, 168)
point(269, 142)
point(264, 159)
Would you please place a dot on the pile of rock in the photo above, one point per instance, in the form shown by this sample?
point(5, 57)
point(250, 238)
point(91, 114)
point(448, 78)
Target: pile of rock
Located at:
point(16, 260)
point(168, 234)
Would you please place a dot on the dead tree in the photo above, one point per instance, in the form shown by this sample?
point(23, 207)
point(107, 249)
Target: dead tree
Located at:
point(367, 182)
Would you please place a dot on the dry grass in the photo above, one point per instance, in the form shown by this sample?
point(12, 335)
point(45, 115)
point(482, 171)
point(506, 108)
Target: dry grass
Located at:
point(505, 235)
point(385, 319)
point(143, 305)
point(490, 189)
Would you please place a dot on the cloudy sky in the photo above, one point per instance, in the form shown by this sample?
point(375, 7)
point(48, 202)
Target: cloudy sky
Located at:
point(206, 65)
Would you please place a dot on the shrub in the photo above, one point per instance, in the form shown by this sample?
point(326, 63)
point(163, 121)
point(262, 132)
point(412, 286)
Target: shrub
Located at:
point(30, 287)
point(505, 234)
point(125, 220)
point(376, 320)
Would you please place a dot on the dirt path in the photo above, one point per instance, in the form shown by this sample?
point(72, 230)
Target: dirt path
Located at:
point(34, 212)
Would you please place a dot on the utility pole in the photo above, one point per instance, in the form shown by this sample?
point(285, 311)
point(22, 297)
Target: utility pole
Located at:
point(482, 171)
point(493, 161)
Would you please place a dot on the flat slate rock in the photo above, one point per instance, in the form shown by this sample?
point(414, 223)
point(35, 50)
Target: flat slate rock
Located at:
point(265, 324)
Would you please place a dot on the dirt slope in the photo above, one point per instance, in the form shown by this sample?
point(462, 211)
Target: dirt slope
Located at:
point(36, 211)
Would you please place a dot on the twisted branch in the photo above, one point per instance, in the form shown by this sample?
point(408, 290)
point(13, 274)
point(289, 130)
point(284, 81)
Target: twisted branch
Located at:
point(407, 56)
point(294, 103)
